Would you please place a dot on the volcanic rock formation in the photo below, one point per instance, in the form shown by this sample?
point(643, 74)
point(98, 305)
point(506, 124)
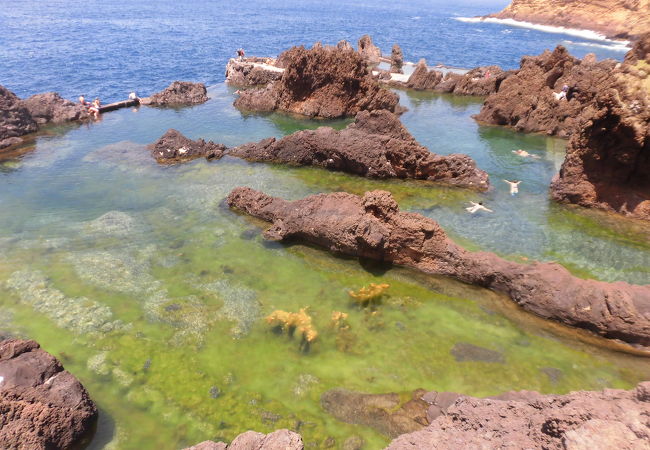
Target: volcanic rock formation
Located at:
point(251, 440)
point(173, 147)
point(15, 119)
point(396, 59)
point(613, 18)
point(370, 53)
point(422, 78)
point(612, 418)
point(479, 81)
point(376, 145)
point(51, 108)
point(42, 406)
point(178, 93)
point(322, 82)
point(252, 72)
point(608, 161)
point(373, 227)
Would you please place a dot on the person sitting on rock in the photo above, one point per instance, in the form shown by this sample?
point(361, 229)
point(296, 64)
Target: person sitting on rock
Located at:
point(477, 207)
point(94, 108)
point(82, 101)
point(241, 54)
point(514, 186)
point(133, 96)
point(563, 94)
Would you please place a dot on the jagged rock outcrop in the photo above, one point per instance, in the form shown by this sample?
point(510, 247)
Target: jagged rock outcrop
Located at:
point(251, 440)
point(422, 78)
point(527, 99)
point(178, 93)
point(344, 45)
point(608, 160)
point(480, 81)
point(370, 53)
point(15, 119)
point(42, 406)
point(252, 72)
point(173, 147)
point(376, 145)
point(612, 418)
point(373, 227)
point(387, 413)
point(396, 59)
point(613, 18)
point(322, 82)
point(51, 108)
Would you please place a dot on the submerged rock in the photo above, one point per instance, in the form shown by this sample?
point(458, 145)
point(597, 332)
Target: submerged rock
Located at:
point(252, 72)
point(387, 413)
point(15, 119)
point(42, 405)
point(251, 440)
point(323, 82)
point(612, 418)
point(178, 93)
point(51, 108)
point(173, 147)
point(376, 145)
point(607, 162)
point(373, 227)
point(463, 351)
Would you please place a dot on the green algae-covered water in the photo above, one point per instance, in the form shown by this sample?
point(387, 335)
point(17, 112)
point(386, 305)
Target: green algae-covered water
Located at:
point(154, 294)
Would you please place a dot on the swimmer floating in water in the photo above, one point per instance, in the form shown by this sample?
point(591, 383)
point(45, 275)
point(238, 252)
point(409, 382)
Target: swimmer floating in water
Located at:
point(477, 207)
point(514, 186)
point(524, 154)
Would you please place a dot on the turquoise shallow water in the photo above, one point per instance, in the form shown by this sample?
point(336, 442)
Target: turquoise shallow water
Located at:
point(153, 293)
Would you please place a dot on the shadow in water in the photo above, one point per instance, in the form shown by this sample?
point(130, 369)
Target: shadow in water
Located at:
point(103, 433)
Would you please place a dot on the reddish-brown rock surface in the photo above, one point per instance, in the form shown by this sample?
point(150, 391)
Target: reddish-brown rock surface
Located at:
point(586, 420)
point(376, 145)
point(323, 82)
point(607, 165)
point(368, 50)
point(422, 78)
point(173, 147)
point(15, 119)
point(252, 440)
point(51, 108)
point(42, 406)
point(252, 72)
point(373, 227)
point(178, 93)
point(480, 81)
point(613, 18)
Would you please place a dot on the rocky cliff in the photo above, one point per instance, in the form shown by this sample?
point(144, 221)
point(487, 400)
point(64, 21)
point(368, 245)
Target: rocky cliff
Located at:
point(613, 18)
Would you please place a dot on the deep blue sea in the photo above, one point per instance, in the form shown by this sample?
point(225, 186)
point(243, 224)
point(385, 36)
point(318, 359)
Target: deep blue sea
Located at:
point(108, 48)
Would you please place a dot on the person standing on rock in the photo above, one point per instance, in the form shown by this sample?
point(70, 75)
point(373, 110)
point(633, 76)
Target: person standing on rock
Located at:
point(514, 186)
point(241, 54)
point(477, 207)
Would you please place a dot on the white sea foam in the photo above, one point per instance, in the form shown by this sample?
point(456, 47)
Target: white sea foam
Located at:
point(616, 47)
point(585, 34)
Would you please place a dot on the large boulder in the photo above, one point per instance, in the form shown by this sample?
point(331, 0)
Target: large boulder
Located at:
point(373, 227)
point(582, 420)
point(480, 81)
point(15, 119)
point(370, 53)
point(173, 147)
point(252, 72)
point(422, 78)
point(608, 159)
point(178, 93)
point(42, 406)
point(325, 82)
point(376, 145)
point(527, 99)
point(252, 440)
point(51, 108)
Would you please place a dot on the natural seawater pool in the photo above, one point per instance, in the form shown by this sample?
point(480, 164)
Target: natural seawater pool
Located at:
point(153, 293)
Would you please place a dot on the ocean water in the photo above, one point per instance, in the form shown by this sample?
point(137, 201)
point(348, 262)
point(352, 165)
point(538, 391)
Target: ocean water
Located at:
point(154, 294)
point(106, 49)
